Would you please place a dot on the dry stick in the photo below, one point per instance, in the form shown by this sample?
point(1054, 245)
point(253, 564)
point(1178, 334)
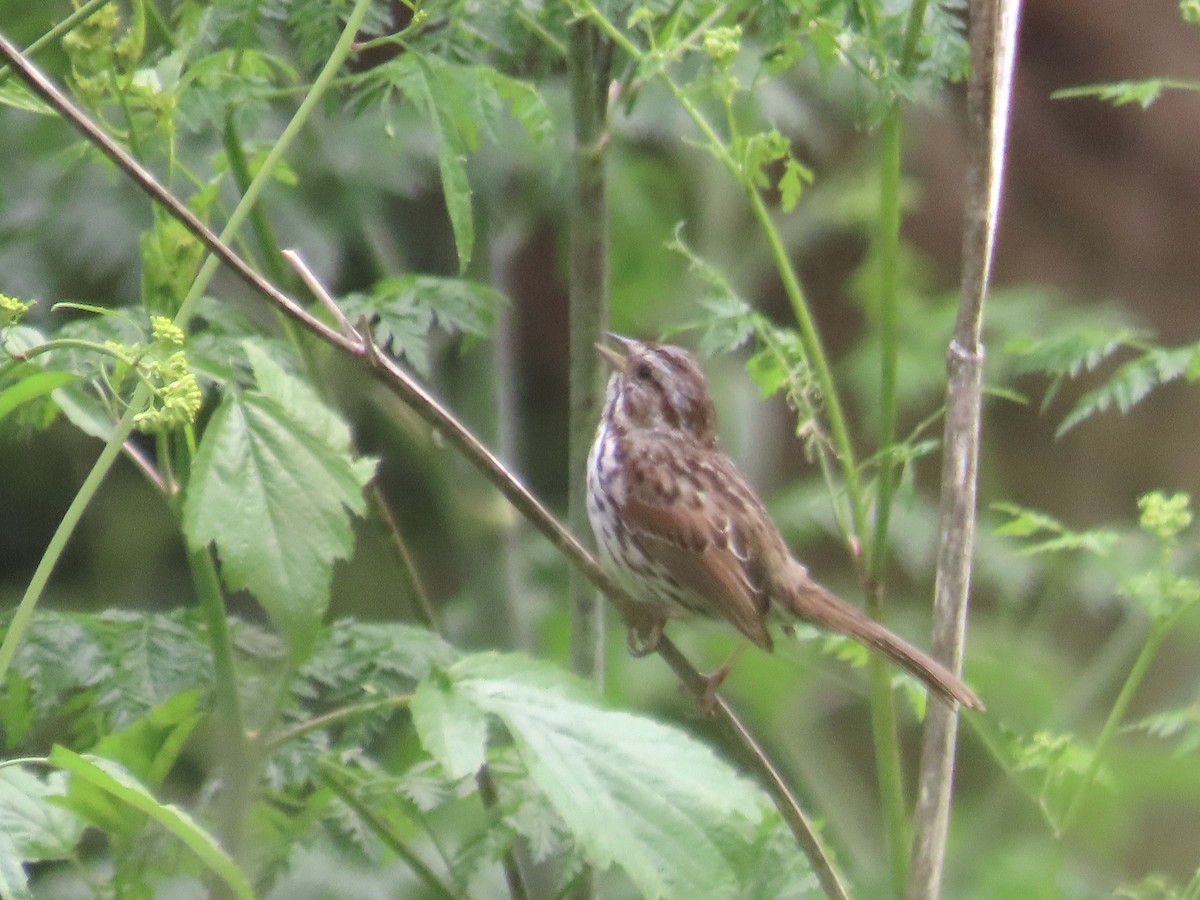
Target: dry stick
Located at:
point(993, 43)
point(424, 405)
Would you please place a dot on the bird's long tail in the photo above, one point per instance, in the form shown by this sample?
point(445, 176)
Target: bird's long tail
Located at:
point(813, 603)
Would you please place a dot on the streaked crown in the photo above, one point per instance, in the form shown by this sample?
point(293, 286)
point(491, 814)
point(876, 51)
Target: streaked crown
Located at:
point(658, 386)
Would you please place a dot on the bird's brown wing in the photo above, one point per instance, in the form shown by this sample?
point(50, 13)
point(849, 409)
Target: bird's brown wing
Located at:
point(685, 525)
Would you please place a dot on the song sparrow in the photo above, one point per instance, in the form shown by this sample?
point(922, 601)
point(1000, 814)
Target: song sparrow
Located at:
point(681, 530)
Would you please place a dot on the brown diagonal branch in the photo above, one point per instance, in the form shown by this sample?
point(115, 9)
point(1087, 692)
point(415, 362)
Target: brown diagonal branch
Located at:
point(361, 347)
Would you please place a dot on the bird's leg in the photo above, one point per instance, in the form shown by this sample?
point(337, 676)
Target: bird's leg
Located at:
point(645, 625)
point(706, 703)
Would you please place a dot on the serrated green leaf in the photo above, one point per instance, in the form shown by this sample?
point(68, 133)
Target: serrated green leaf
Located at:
point(1119, 93)
point(452, 730)
point(113, 779)
point(773, 867)
point(1182, 724)
point(791, 184)
point(453, 147)
point(1071, 352)
point(38, 829)
point(405, 308)
point(381, 656)
point(297, 399)
point(524, 102)
point(272, 485)
point(153, 658)
point(58, 658)
point(14, 93)
point(633, 792)
point(1027, 523)
point(1132, 382)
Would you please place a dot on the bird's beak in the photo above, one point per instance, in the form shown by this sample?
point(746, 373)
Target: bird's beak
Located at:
point(611, 356)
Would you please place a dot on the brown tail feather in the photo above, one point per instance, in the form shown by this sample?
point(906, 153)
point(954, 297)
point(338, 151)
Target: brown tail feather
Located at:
point(815, 604)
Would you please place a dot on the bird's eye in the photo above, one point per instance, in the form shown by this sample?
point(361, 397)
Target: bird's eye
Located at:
point(642, 372)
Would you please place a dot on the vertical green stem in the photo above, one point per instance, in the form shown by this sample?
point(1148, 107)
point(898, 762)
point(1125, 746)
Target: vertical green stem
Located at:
point(62, 534)
point(815, 352)
point(588, 62)
point(888, 768)
point(1154, 640)
point(912, 34)
point(267, 170)
point(887, 250)
point(227, 706)
point(272, 258)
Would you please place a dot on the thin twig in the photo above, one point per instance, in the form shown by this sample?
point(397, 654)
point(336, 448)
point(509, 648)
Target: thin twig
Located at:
point(395, 379)
point(341, 714)
point(993, 48)
point(318, 290)
point(404, 561)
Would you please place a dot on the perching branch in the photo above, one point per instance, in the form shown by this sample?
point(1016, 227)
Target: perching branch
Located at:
point(362, 348)
point(992, 37)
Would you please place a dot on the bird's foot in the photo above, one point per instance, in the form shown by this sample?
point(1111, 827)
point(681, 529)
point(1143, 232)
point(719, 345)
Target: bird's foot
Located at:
point(645, 630)
point(706, 700)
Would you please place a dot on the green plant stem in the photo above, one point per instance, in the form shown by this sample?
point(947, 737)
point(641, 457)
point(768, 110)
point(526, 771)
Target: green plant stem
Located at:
point(490, 795)
point(69, 343)
point(266, 171)
point(26, 761)
point(383, 830)
point(62, 534)
point(333, 717)
point(815, 351)
point(405, 564)
point(888, 767)
point(536, 27)
point(234, 747)
point(272, 257)
point(889, 772)
point(912, 33)
point(588, 63)
point(888, 252)
point(1154, 640)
